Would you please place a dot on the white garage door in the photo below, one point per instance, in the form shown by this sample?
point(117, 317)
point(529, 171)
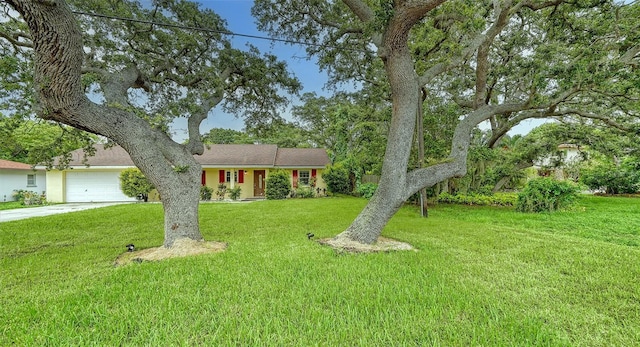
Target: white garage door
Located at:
point(94, 186)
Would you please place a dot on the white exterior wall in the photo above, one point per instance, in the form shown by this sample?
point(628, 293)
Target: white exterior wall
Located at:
point(571, 155)
point(11, 180)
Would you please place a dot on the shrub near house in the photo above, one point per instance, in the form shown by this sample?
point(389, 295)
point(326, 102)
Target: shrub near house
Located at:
point(546, 195)
point(612, 178)
point(28, 197)
point(337, 178)
point(278, 185)
point(134, 184)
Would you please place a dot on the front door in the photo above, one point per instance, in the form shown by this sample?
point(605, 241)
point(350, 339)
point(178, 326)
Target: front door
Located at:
point(258, 182)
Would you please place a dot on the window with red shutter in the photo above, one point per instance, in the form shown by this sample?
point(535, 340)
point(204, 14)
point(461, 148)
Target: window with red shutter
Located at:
point(303, 177)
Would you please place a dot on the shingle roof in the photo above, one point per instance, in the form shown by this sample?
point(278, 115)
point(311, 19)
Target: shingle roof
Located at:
point(112, 156)
point(238, 155)
point(12, 165)
point(220, 156)
point(301, 157)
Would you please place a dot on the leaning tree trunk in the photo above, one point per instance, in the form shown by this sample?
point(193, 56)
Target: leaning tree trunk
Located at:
point(58, 56)
point(176, 176)
point(181, 205)
point(392, 188)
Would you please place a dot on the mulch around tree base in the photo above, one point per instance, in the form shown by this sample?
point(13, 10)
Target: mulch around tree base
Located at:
point(382, 245)
point(180, 248)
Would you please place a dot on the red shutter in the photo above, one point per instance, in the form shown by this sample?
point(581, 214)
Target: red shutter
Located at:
point(313, 172)
point(295, 178)
point(241, 176)
point(221, 176)
point(204, 178)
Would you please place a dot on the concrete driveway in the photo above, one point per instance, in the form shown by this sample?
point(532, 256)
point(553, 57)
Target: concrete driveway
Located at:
point(24, 213)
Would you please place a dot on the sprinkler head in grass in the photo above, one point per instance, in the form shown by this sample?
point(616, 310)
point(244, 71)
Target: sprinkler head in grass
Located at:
point(131, 247)
point(310, 236)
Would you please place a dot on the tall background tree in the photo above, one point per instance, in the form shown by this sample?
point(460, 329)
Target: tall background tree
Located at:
point(351, 126)
point(140, 75)
point(500, 62)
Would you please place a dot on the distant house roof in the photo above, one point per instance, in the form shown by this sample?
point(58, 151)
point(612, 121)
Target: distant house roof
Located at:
point(301, 157)
point(111, 156)
point(238, 155)
point(12, 165)
point(231, 156)
point(568, 146)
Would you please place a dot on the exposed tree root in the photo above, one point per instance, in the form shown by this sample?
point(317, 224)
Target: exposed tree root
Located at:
point(382, 245)
point(180, 248)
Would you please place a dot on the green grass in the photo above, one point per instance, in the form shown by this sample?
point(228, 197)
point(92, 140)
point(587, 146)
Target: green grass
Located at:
point(10, 205)
point(482, 276)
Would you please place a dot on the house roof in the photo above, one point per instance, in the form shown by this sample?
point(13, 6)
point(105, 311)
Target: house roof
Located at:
point(111, 156)
point(301, 157)
point(238, 155)
point(219, 156)
point(12, 165)
point(568, 146)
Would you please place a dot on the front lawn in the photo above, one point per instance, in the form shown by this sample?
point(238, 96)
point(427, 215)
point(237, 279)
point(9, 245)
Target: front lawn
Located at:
point(482, 276)
point(10, 205)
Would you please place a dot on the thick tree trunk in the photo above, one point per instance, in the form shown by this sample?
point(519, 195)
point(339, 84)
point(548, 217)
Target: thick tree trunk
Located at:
point(367, 227)
point(181, 205)
point(176, 175)
point(424, 209)
point(58, 60)
point(392, 188)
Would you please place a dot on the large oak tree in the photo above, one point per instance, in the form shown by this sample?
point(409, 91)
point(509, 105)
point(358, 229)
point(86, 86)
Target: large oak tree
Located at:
point(140, 75)
point(499, 61)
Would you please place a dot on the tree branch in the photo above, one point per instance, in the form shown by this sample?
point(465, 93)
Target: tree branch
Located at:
point(532, 5)
point(14, 39)
point(482, 38)
point(115, 86)
point(629, 56)
point(456, 164)
point(195, 145)
point(443, 67)
point(327, 23)
point(361, 10)
point(590, 115)
point(482, 57)
point(366, 15)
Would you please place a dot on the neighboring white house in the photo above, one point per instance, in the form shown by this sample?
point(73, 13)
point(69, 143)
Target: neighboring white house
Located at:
point(554, 166)
point(20, 176)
